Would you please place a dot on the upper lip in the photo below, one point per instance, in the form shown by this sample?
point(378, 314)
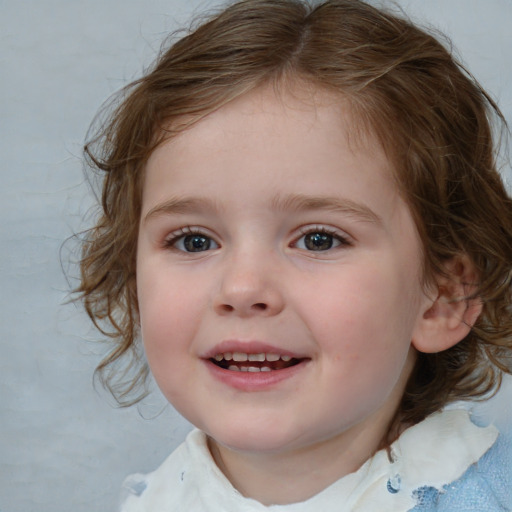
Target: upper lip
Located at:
point(249, 347)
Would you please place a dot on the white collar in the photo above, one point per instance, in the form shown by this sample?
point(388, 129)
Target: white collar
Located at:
point(432, 453)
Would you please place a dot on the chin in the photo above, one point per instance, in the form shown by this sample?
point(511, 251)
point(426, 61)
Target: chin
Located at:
point(267, 439)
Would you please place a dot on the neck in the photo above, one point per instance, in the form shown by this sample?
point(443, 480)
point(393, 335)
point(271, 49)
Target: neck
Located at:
point(297, 475)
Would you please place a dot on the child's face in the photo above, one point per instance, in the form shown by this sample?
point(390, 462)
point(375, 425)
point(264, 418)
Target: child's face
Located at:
point(264, 231)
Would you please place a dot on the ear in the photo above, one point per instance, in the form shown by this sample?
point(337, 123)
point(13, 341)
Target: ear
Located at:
point(449, 315)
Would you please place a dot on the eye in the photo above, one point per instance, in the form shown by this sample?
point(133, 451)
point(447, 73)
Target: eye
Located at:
point(189, 240)
point(320, 239)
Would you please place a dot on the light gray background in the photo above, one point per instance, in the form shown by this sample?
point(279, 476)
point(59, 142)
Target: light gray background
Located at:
point(63, 446)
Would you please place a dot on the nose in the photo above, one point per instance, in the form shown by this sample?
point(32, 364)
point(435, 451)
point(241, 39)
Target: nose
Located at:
point(249, 287)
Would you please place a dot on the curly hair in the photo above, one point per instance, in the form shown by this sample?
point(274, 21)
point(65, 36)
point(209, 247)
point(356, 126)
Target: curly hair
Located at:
point(432, 118)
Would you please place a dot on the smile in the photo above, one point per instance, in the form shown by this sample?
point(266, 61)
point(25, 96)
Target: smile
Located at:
point(251, 362)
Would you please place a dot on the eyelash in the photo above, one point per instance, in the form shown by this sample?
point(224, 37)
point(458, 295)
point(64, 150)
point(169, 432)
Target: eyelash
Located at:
point(172, 240)
point(188, 231)
point(336, 235)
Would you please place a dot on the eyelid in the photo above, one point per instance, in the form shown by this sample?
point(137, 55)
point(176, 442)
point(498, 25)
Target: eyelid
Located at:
point(170, 241)
point(343, 237)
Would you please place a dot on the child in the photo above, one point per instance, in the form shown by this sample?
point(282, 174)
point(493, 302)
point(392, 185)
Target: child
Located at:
point(304, 226)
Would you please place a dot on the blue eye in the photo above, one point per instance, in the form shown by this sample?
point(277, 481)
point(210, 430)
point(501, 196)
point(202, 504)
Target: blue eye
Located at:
point(196, 243)
point(192, 242)
point(320, 240)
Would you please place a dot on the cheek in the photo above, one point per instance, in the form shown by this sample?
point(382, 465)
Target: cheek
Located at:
point(167, 328)
point(346, 308)
point(366, 322)
point(167, 314)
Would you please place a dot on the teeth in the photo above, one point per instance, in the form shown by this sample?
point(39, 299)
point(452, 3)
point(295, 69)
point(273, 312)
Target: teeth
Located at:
point(257, 357)
point(252, 369)
point(241, 357)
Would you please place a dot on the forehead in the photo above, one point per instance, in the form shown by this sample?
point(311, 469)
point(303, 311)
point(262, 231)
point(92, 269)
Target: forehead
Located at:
point(294, 140)
point(285, 103)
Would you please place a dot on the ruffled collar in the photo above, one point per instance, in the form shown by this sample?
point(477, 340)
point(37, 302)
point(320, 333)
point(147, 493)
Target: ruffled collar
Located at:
point(433, 453)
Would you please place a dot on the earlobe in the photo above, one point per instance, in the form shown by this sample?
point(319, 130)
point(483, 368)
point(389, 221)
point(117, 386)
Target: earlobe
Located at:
point(449, 316)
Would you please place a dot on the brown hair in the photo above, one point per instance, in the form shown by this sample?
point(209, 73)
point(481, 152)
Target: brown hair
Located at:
point(431, 117)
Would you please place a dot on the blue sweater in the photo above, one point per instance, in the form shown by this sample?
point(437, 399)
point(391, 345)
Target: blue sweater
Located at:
point(485, 487)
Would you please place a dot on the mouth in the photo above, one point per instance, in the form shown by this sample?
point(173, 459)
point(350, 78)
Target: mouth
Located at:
point(254, 362)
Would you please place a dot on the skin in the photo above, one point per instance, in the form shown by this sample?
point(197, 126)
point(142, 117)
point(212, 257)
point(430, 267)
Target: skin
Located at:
point(353, 311)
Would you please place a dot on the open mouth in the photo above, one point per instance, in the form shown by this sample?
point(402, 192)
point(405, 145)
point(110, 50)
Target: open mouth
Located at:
point(242, 362)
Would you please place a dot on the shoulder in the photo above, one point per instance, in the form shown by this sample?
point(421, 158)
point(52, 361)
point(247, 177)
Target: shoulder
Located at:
point(486, 486)
point(168, 487)
point(188, 480)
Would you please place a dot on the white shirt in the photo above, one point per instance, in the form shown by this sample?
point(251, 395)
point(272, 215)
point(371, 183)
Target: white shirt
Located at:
point(433, 453)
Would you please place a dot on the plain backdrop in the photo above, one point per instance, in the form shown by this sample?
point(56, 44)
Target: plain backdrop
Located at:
point(64, 446)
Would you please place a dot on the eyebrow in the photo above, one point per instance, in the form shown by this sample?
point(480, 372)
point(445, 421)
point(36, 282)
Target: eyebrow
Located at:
point(182, 205)
point(292, 202)
point(301, 202)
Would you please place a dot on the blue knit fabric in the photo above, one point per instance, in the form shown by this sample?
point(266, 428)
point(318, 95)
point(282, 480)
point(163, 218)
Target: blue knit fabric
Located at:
point(485, 487)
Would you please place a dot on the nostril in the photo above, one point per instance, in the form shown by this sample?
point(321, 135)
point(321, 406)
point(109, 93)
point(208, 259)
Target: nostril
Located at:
point(244, 308)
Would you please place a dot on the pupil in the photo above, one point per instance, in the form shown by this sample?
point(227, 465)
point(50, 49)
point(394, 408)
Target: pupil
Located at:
point(196, 243)
point(318, 241)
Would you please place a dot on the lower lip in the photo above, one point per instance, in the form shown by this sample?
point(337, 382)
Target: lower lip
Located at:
point(254, 381)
